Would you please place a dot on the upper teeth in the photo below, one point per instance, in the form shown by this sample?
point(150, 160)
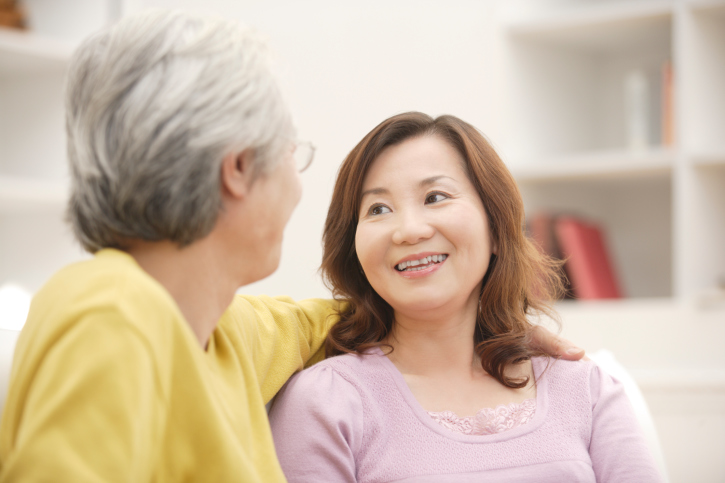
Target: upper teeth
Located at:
point(422, 261)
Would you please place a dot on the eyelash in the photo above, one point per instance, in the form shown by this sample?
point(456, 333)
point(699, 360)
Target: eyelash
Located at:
point(427, 197)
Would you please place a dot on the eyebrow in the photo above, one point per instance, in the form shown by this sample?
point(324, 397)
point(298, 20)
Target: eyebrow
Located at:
point(422, 184)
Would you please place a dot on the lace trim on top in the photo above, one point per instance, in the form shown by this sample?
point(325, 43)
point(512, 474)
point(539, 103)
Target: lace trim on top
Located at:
point(488, 420)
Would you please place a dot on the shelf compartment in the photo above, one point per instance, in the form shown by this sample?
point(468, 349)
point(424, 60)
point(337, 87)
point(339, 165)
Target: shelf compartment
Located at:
point(709, 159)
point(28, 53)
point(566, 88)
point(614, 164)
point(635, 215)
point(716, 6)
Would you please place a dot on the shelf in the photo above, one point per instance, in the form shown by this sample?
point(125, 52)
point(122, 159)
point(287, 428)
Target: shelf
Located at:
point(610, 26)
point(595, 165)
point(635, 214)
point(709, 159)
point(25, 52)
point(715, 6)
point(21, 194)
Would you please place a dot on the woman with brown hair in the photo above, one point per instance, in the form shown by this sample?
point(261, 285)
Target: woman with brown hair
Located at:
point(435, 379)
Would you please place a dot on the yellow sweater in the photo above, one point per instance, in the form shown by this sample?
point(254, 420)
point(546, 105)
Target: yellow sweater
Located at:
point(110, 384)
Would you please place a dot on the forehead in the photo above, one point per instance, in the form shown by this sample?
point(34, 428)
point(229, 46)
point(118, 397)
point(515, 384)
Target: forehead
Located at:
point(416, 159)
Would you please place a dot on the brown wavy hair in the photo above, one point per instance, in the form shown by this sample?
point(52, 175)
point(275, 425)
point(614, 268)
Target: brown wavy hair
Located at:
point(520, 280)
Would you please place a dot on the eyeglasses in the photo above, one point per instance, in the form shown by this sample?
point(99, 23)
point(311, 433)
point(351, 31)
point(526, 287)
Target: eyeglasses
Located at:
point(304, 153)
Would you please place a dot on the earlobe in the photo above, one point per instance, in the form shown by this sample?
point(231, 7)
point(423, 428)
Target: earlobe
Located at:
point(236, 173)
point(493, 244)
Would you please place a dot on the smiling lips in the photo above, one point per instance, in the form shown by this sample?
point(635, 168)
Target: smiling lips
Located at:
point(421, 263)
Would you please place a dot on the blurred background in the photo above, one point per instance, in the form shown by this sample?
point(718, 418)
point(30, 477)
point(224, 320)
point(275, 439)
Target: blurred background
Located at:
point(610, 114)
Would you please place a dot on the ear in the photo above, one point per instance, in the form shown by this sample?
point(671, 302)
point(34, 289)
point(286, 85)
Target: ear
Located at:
point(236, 173)
point(492, 243)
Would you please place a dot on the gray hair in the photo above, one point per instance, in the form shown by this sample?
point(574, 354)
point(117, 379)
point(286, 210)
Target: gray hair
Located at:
point(153, 105)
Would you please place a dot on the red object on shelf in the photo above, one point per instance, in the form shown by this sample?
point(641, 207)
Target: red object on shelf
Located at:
point(588, 263)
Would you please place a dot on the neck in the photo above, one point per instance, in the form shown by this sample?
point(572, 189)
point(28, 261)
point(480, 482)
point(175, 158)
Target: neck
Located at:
point(196, 277)
point(437, 344)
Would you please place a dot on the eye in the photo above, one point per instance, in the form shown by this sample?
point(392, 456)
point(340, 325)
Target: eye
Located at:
point(435, 198)
point(378, 209)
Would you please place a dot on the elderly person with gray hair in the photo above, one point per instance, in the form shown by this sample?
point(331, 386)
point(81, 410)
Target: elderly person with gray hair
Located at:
point(141, 364)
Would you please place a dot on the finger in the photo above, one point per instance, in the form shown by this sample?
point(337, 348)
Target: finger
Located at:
point(573, 353)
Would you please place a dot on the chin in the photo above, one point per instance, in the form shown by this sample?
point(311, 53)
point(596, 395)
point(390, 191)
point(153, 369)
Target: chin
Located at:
point(418, 304)
point(271, 269)
point(261, 270)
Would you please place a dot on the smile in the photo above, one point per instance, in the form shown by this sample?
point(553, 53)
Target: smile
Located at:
point(420, 264)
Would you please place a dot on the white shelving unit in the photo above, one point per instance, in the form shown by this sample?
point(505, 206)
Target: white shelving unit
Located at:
point(663, 207)
point(701, 180)
point(564, 65)
point(34, 240)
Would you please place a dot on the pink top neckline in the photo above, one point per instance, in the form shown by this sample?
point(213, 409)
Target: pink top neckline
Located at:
point(542, 400)
point(488, 420)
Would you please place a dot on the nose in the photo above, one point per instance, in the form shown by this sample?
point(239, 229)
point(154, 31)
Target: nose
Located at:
point(413, 227)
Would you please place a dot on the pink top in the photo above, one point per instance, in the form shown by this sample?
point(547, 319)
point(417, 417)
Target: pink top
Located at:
point(488, 420)
point(353, 419)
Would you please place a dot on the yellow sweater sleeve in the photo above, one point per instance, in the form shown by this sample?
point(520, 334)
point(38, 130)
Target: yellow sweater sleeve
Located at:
point(92, 408)
point(281, 334)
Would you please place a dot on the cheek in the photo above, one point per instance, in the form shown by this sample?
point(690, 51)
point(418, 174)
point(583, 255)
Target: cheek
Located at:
point(470, 233)
point(367, 247)
point(361, 246)
point(291, 191)
point(297, 188)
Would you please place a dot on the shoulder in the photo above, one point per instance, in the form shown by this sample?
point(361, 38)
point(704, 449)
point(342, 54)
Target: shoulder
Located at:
point(343, 374)
point(561, 369)
point(359, 369)
point(108, 269)
point(589, 375)
point(325, 389)
point(566, 382)
point(111, 281)
point(89, 355)
point(577, 380)
point(347, 367)
point(108, 301)
point(318, 423)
